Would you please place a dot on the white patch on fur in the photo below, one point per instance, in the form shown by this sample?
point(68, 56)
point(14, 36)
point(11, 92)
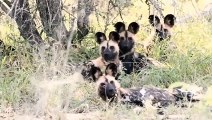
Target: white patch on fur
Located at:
point(102, 38)
point(142, 91)
point(126, 99)
point(151, 97)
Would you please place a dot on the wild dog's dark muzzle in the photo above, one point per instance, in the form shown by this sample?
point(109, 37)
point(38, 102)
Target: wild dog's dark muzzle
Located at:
point(110, 90)
point(126, 46)
point(109, 55)
point(107, 91)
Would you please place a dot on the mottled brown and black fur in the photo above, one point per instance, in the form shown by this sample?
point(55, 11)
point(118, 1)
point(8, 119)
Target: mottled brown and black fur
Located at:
point(91, 72)
point(127, 36)
point(161, 31)
point(142, 96)
point(108, 51)
point(132, 61)
point(109, 89)
point(107, 85)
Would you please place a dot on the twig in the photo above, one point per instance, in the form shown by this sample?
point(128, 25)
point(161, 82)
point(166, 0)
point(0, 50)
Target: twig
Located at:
point(147, 2)
point(97, 16)
point(157, 7)
point(70, 37)
point(120, 13)
point(4, 6)
point(116, 17)
point(107, 17)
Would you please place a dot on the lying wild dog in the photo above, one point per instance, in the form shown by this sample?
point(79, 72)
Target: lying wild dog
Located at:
point(109, 53)
point(107, 86)
point(132, 61)
point(161, 31)
point(109, 89)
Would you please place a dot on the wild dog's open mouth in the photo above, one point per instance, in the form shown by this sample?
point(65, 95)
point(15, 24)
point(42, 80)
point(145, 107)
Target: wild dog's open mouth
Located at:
point(112, 97)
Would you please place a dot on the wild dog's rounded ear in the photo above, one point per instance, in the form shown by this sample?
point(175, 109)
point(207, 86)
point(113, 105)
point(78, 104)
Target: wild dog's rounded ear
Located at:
point(154, 20)
point(111, 69)
point(170, 20)
point(114, 36)
point(100, 37)
point(133, 27)
point(120, 27)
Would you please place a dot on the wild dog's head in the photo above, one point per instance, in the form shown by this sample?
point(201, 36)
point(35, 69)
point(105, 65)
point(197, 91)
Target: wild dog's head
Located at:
point(107, 85)
point(109, 49)
point(163, 30)
point(127, 36)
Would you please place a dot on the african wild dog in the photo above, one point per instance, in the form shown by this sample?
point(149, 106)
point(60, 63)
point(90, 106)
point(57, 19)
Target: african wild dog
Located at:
point(127, 37)
point(132, 61)
point(110, 90)
point(109, 53)
point(161, 31)
point(107, 85)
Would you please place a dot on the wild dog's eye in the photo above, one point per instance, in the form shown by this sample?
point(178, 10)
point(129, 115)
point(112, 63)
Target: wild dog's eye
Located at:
point(122, 38)
point(103, 47)
point(112, 48)
point(129, 38)
point(111, 82)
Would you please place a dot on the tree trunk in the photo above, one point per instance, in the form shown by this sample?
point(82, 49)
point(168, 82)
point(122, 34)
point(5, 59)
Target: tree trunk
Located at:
point(21, 13)
point(85, 8)
point(52, 19)
point(26, 25)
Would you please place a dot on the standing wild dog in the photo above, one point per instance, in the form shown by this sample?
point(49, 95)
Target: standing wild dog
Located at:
point(109, 53)
point(161, 30)
point(131, 60)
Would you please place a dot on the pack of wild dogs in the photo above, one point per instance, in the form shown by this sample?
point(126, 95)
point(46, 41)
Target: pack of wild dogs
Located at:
point(117, 53)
